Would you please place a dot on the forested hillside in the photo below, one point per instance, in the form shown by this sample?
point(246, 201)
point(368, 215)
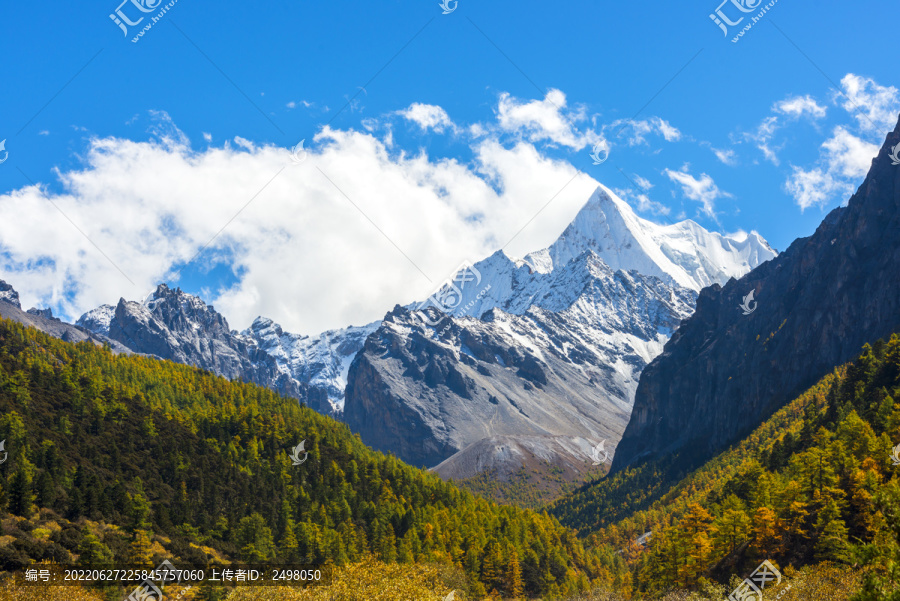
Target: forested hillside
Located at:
point(816, 483)
point(127, 459)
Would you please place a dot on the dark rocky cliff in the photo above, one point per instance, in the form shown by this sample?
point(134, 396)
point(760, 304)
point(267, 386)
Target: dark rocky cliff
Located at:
point(724, 372)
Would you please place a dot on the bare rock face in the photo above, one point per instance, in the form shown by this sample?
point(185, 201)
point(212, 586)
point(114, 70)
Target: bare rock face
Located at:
point(320, 363)
point(45, 313)
point(724, 371)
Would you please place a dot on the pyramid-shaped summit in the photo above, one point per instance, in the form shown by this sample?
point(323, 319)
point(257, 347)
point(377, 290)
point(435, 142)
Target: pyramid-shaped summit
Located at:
point(683, 253)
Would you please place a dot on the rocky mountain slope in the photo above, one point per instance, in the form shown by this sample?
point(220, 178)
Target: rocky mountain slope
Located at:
point(172, 324)
point(425, 392)
point(728, 368)
point(42, 319)
point(180, 327)
point(320, 363)
point(542, 353)
point(548, 348)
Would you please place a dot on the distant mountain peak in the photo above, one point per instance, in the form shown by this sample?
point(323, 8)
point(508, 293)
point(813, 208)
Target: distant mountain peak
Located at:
point(606, 229)
point(683, 253)
point(9, 294)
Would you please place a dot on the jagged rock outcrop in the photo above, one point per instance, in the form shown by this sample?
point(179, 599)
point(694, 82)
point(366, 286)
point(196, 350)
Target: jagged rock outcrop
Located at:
point(425, 397)
point(180, 327)
point(9, 294)
point(45, 313)
point(320, 363)
point(724, 371)
point(311, 367)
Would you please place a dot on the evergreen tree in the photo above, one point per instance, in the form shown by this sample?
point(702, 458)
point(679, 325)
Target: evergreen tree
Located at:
point(288, 547)
point(92, 552)
point(514, 576)
point(139, 551)
point(254, 538)
point(492, 567)
point(21, 496)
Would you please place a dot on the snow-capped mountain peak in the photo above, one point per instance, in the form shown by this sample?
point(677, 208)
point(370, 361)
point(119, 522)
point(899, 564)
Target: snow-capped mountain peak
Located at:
point(98, 320)
point(321, 362)
point(683, 253)
point(580, 277)
point(9, 294)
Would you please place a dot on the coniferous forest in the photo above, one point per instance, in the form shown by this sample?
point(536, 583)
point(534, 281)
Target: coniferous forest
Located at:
point(117, 459)
point(130, 460)
point(816, 485)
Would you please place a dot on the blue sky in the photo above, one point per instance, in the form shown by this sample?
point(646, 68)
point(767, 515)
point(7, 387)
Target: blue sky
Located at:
point(432, 138)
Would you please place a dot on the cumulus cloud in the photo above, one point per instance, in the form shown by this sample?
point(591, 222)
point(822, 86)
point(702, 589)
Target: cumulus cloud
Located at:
point(335, 240)
point(547, 119)
point(847, 155)
point(799, 106)
point(642, 182)
point(844, 159)
point(703, 189)
point(788, 110)
point(875, 107)
point(814, 187)
point(428, 116)
point(640, 200)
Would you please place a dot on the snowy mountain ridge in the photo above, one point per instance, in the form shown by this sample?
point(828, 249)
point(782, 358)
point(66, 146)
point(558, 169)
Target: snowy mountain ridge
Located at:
point(321, 361)
point(682, 254)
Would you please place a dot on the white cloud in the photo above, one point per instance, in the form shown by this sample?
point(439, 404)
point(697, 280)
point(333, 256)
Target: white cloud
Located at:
point(813, 187)
point(791, 108)
point(847, 155)
point(546, 119)
point(844, 160)
point(875, 107)
point(704, 190)
point(207, 136)
point(726, 156)
point(763, 136)
point(428, 116)
point(639, 130)
point(798, 106)
point(671, 134)
point(301, 252)
point(642, 182)
point(642, 202)
point(646, 205)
